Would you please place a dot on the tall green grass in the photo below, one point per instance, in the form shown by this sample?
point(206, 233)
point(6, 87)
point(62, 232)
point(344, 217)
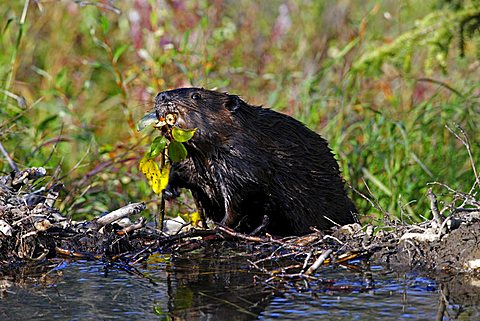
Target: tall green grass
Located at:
point(75, 78)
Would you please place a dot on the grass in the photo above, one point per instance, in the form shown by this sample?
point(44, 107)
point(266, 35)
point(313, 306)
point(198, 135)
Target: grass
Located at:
point(74, 80)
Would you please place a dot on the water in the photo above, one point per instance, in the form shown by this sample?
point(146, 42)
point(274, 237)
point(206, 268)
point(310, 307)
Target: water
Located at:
point(209, 285)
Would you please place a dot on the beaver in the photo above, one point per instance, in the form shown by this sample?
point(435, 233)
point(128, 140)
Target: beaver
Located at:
point(250, 167)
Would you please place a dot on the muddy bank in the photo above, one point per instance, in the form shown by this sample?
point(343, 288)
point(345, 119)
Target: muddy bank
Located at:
point(33, 230)
point(457, 250)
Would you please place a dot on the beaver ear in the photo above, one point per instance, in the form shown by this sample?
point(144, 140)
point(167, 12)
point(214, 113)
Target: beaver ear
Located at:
point(233, 103)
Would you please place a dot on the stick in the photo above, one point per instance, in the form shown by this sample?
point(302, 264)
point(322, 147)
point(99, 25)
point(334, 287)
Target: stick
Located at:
point(162, 197)
point(434, 207)
point(9, 159)
point(141, 223)
point(319, 262)
point(161, 217)
point(466, 143)
point(122, 212)
point(188, 234)
point(240, 236)
point(21, 178)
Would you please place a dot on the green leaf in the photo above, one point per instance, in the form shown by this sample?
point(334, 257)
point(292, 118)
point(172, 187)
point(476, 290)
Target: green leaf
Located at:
point(157, 179)
point(118, 52)
point(105, 24)
point(157, 147)
point(46, 122)
point(176, 151)
point(184, 42)
point(182, 135)
point(9, 21)
point(61, 78)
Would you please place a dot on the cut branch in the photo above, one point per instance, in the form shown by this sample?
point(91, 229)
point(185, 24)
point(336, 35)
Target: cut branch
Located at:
point(130, 209)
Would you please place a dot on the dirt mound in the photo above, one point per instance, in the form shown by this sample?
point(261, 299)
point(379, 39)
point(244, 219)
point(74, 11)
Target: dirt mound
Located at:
point(32, 229)
point(457, 250)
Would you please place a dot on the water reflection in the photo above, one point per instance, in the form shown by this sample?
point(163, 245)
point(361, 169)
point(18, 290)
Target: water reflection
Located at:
point(216, 284)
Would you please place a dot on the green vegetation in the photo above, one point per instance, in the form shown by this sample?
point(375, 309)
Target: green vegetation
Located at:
point(380, 80)
point(169, 146)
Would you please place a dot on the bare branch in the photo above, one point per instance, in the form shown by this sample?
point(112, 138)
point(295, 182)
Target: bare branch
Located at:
point(122, 212)
point(9, 159)
point(434, 207)
point(319, 262)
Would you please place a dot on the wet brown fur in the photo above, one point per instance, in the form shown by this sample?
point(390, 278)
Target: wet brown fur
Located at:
point(247, 163)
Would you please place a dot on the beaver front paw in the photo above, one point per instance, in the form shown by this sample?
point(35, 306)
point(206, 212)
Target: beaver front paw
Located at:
point(171, 192)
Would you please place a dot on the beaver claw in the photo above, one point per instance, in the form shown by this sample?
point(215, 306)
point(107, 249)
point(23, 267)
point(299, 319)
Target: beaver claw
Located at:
point(171, 192)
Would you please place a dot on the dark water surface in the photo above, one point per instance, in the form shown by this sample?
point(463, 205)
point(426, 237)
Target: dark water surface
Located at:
point(212, 286)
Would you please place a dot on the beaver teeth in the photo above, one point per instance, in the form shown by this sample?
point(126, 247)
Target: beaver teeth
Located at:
point(159, 124)
point(171, 119)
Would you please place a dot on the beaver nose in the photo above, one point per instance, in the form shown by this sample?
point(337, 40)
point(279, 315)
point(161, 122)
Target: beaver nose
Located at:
point(164, 97)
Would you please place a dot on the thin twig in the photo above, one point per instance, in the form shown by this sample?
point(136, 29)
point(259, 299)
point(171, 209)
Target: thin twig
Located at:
point(161, 217)
point(305, 262)
point(438, 82)
point(466, 143)
point(240, 236)
point(141, 223)
point(377, 203)
point(100, 5)
point(434, 207)
point(9, 159)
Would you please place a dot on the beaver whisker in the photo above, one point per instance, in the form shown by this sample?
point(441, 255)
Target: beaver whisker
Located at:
point(189, 106)
point(176, 107)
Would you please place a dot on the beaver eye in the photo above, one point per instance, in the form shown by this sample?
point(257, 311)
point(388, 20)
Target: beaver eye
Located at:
point(196, 96)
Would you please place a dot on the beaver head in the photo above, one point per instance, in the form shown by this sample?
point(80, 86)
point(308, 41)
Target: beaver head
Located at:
point(206, 110)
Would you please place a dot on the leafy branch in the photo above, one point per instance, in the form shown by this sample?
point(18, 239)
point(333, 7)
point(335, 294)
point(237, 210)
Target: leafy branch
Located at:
point(169, 146)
